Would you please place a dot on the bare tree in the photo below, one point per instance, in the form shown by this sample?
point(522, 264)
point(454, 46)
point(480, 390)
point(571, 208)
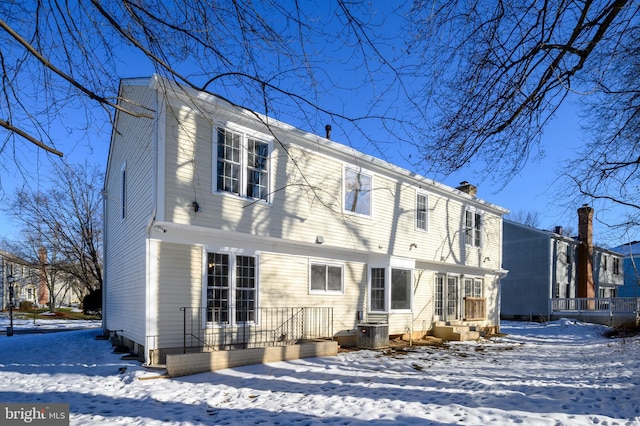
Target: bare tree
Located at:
point(529, 218)
point(497, 72)
point(282, 59)
point(66, 222)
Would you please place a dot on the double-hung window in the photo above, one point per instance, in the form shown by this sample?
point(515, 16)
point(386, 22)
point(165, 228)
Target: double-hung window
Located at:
point(472, 228)
point(357, 191)
point(616, 266)
point(231, 288)
point(325, 278)
point(421, 211)
point(242, 165)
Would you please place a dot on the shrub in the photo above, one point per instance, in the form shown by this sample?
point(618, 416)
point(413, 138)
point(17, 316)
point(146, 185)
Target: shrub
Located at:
point(92, 303)
point(25, 305)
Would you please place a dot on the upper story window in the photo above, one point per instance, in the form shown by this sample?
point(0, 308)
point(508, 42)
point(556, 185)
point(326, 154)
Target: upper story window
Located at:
point(473, 228)
point(242, 166)
point(357, 191)
point(616, 266)
point(604, 262)
point(421, 211)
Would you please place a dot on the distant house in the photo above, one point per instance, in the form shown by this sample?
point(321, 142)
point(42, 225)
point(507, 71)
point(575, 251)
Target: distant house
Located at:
point(631, 267)
point(27, 286)
point(224, 227)
point(545, 265)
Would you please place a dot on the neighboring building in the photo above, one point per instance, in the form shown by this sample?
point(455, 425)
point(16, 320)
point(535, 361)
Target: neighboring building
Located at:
point(631, 267)
point(546, 264)
point(25, 280)
point(206, 206)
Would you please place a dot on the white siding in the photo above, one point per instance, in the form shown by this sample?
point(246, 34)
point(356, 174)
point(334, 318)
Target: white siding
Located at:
point(125, 239)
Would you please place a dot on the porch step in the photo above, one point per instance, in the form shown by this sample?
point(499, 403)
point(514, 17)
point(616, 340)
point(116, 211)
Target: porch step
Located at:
point(454, 332)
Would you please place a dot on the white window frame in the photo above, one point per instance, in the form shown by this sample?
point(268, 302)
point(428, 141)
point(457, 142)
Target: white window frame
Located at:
point(424, 228)
point(388, 288)
point(326, 265)
point(473, 287)
point(473, 227)
point(232, 288)
point(359, 172)
point(245, 169)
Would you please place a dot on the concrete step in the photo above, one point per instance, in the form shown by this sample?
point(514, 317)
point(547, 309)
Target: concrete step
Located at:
point(457, 333)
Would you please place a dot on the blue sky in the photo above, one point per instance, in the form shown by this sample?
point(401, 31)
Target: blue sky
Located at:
point(534, 188)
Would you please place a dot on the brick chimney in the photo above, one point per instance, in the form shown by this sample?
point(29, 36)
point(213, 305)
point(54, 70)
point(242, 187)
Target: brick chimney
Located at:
point(468, 188)
point(585, 287)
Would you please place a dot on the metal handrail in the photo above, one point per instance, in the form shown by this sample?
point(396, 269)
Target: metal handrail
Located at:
point(268, 327)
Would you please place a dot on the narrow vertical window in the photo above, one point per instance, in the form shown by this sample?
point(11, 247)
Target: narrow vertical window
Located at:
point(228, 174)
point(473, 228)
point(218, 288)
point(421, 212)
point(257, 169)
point(439, 296)
point(377, 289)
point(357, 192)
point(123, 192)
point(245, 288)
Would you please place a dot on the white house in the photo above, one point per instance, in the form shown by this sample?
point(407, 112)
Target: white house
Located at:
point(215, 214)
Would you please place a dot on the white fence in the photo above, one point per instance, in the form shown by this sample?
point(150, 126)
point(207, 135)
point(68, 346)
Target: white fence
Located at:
point(611, 306)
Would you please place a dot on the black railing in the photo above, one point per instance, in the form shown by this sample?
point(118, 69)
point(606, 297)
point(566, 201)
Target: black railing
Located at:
point(208, 329)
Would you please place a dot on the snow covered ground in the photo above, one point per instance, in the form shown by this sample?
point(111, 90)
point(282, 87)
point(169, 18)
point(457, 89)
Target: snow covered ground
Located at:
point(560, 373)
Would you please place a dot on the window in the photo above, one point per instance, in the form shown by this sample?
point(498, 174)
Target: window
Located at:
point(357, 192)
point(325, 278)
point(439, 295)
point(421, 212)
point(400, 289)
point(398, 294)
point(378, 289)
point(218, 288)
point(604, 262)
point(245, 288)
point(242, 166)
point(226, 301)
point(257, 161)
point(123, 191)
point(473, 228)
point(616, 266)
point(472, 287)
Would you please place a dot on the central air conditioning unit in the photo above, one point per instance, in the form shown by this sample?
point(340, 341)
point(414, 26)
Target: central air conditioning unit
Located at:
point(373, 335)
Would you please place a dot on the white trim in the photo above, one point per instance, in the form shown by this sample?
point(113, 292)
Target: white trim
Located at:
point(323, 262)
point(232, 254)
point(151, 305)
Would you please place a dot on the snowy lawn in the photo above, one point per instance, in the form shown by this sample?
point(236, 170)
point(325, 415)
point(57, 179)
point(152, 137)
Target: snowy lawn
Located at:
point(560, 373)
